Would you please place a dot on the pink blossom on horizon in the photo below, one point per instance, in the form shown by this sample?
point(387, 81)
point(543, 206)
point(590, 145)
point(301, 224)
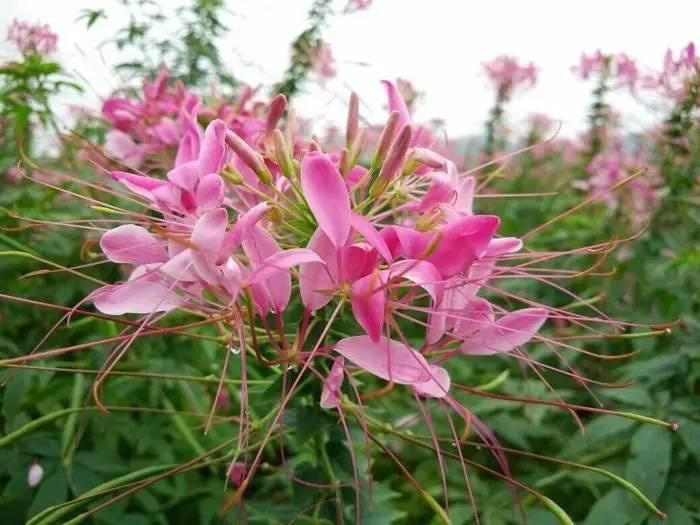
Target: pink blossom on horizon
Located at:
point(32, 38)
point(323, 63)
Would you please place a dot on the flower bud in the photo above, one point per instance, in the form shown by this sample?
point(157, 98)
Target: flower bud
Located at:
point(344, 162)
point(231, 174)
point(357, 145)
point(385, 138)
point(274, 113)
point(397, 154)
point(249, 157)
point(284, 159)
point(353, 123)
point(36, 472)
point(428, 158)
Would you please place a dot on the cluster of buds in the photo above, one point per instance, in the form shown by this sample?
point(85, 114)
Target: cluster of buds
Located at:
point(32, 38)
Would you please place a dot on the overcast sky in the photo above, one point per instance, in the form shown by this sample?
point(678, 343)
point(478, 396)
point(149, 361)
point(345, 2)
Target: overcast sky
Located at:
point(438, 45)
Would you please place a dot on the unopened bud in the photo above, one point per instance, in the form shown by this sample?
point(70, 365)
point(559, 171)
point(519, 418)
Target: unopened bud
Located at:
point(397, 154)
point(36, 472)
point(344, 162)
point(231, 174)
point(378, 187)
point(284, 159)
point(385, 138)
point(353, 123)
point(314, 145)
point(357, 145)
point(274, 113)
point(428, 157)
point(249, 157)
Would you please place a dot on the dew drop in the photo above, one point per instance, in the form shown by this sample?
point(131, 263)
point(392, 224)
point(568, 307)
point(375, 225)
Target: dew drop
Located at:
point(235, 350)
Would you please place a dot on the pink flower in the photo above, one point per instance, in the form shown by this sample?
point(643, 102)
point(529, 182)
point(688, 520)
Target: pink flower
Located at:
point(323, 63)
point(507, 71)
point(32, 38)
point(590, 64)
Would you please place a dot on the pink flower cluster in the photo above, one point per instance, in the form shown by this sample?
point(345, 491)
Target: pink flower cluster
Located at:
point(672, 81)
point(323, 63)
point(620, 66)
point(611, 167)
point(32, 38)
point(507, 71)
point(259, 225)
point(150, 129)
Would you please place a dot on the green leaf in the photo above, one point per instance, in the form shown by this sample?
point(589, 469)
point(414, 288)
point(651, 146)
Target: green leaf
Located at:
point(647, 468)
point(52, 491)
point(689, 431)
point(607, 509)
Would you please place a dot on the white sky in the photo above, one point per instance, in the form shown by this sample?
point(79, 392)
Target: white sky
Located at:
point(438, 45)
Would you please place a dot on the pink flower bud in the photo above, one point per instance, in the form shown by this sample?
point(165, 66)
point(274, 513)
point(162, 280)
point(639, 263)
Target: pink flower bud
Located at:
point(428, 157)
point(36, 472)
point(353, 123)
point(386, 137)
point(248, 156)
point(237, 472)
point(274, 112)
point(397, 154)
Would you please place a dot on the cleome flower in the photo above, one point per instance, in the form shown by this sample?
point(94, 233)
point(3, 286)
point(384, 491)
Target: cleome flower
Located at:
point(378, 259)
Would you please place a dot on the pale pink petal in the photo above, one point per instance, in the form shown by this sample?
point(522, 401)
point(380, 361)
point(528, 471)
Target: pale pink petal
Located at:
point(210, 191)
point(133, 245)
point(475, 315)
point(315, 276)
point(139, 184)
point(140, 296)
point(396, 103)
point(276, 290)
point(185, 175)
point(283, 260)
point(509, 332)
point(330, 396)
point(502, 246)
point(368, 301)
point(324, 189)
point(385, 358)
point(209, 230)
point(365, 228)
point(188, 150)
point(243, 226)
point(423, 274)
point(212, 153)
point(437, 386)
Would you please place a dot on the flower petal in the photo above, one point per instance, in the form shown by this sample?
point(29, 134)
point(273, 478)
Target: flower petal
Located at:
point(282, 260)
point(331, 386)
point(140, 296)
point(368, 301)
point(509, 332)
point(314, 277)
point(324, 189)
point(133, 245)
point(385, 358)
point(437, 386)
